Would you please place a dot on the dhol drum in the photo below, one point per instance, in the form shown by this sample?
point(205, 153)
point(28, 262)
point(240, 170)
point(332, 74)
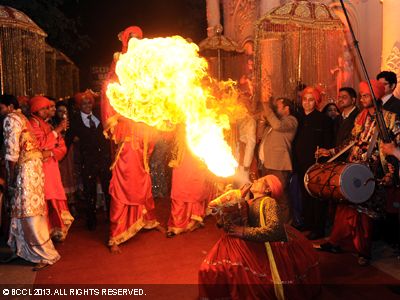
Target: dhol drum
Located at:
point(353, 182)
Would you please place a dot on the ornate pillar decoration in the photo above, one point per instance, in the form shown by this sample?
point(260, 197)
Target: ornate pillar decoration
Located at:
point(239, 19)
point(213, 16)
point(391, 39)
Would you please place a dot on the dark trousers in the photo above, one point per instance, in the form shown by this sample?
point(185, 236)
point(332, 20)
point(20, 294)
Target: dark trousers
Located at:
point(315, 211)
point(295, 200)
point(90, 172)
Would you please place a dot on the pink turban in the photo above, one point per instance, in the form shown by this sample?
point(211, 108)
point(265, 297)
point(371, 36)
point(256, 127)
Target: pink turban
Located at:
point(38, 102)
point(314, 91)
point(377, 86)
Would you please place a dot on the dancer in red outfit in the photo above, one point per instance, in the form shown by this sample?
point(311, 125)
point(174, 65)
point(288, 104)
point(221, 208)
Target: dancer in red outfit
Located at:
point(132, 203)
point(189, 194)
point(53, 148)
point(260, 258)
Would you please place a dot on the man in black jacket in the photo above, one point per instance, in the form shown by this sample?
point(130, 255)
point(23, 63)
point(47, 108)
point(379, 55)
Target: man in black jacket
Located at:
point(314, 131)
point(390, 102)
point(94, 154)
point(345, 121)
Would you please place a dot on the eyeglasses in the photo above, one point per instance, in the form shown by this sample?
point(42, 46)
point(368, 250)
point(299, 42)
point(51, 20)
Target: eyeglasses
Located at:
point(365, 96)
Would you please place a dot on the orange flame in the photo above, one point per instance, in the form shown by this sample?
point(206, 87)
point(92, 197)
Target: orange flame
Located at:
point(160, 84)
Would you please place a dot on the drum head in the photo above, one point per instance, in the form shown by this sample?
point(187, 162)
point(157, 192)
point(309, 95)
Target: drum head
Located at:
point(357, 183)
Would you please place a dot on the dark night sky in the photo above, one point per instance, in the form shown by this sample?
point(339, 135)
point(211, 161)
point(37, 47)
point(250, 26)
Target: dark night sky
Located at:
point(103, 20)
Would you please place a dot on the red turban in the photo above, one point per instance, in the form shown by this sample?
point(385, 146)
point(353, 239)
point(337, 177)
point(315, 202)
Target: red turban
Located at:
point(134, 31)
point(275, 185)
point(314, 91)
point(377, 86)
point(38, 102)
point(79, 97)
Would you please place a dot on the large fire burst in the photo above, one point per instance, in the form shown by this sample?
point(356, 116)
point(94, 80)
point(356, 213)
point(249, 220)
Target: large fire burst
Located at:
point(161, 83)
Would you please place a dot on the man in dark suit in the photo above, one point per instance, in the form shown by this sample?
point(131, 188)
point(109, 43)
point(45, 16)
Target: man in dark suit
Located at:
point(345, 121)
point(314, 131)
point(389, 101)
point(94, 154)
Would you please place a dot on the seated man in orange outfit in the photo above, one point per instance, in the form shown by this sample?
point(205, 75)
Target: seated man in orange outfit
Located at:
point(132, 203)
point(52, 145)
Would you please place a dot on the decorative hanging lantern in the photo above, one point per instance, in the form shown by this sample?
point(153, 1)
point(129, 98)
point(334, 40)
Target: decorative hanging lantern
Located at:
point(215, 48)
point(67, 76)
point(51, 71)
point(22, 54)
point(300, 42)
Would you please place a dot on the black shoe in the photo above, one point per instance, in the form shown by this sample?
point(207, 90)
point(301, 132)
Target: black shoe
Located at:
point(363, 261)
point(315, 236)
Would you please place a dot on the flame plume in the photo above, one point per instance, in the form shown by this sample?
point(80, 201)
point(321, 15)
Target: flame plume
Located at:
point(161, 83)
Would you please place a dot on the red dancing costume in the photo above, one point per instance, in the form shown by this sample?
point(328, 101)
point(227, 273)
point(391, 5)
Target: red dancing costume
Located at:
point(132, 203)
point(262, 260)
point(189, 194)
point(59, 217)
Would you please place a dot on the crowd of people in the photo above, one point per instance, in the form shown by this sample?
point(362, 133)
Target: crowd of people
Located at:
point(54, 149)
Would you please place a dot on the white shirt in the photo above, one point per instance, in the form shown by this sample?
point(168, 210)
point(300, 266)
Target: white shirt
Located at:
point(386, 98)
point(247, 135)
point(86, 120)
point(345, 116)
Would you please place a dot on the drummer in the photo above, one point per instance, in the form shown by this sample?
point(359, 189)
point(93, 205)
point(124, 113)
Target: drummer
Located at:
point(353, 224)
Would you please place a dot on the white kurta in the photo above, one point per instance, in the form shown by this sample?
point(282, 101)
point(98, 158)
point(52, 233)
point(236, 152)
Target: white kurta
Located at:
point(29, 234)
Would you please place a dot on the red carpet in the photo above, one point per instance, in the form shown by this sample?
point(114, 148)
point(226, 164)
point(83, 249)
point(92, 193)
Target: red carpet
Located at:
point(170, 266)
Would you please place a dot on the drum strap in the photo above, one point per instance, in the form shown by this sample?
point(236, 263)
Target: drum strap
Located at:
point(278, 287)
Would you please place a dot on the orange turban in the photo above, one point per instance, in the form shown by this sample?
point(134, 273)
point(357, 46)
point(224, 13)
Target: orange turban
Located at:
point(377, 86)
point(23, 100)
point(274, 184)
point(38, 102)
point(314, 91)
point(79, 97)
point(134, 31)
